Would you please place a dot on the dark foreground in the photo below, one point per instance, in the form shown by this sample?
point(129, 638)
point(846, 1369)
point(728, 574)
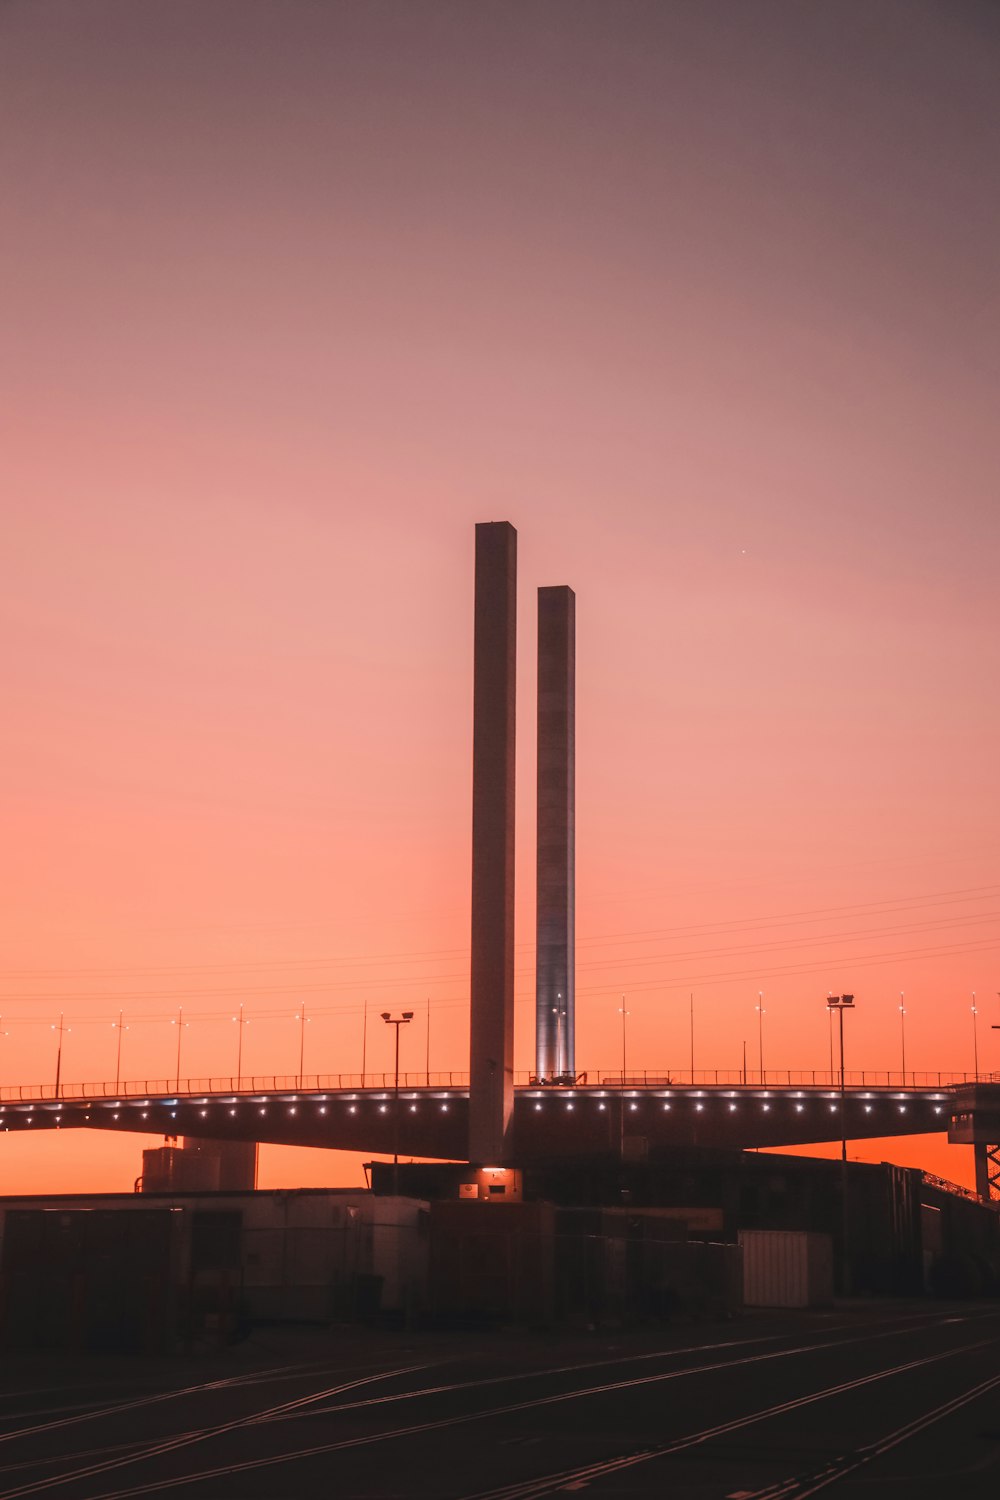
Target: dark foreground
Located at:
point(866, 1401)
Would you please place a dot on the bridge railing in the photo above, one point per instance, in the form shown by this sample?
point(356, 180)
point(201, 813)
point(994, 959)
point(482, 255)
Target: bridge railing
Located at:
point(284, 1083)
point(790, 1078)
point(263, 1083)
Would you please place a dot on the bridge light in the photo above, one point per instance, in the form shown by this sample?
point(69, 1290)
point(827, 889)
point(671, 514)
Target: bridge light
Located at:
point(352, 1109)
point(537, 1106)
point(322, 1109)
point(232, 1111)
point(291, 1109)
point(666, 1106)
point(602, 1106)
point(413, 1110)
point(699, 1106)
point(444, 1106)
point(732, 1108)
point(799, 1108)
point(868, 1109)
point(633, 1106)
point(203, 1113)
point(902, 1109)
point(765, 1106)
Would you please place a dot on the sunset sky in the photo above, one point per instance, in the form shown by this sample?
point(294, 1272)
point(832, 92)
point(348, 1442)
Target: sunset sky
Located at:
point(703, 298)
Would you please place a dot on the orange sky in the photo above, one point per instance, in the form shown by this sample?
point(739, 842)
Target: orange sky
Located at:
point(703, 300)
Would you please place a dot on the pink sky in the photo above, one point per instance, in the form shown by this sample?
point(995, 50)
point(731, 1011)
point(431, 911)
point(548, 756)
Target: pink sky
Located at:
point(703, 299)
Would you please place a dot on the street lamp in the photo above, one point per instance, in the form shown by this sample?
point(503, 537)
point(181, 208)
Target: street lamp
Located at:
point(119, 1026)
point(180, 1023)
point(760, 1034)
point(840, 1003)
point(239, 1047)
point(621, 1113)
point(302, 1018)
point(396, 1021)
point(61, 1029)
point(975, 1038)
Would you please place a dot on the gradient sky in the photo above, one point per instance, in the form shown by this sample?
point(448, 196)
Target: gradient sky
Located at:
point(703, 297)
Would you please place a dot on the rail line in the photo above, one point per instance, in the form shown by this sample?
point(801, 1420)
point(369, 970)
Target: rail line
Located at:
point(524, 1491)
point(533, 1489)
point(800, 1486)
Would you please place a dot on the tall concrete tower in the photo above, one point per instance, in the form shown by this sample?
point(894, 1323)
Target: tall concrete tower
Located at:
point(555, 977)
point(491, 1050)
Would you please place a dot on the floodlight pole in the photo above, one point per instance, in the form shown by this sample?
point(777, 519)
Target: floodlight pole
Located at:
point(840, 1003)
point(397, 1021)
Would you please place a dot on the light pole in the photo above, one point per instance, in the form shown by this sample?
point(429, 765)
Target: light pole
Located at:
point(302, 1018)
point(621, 1112)
point(902, 1035)
point(397, 1021)
point(180, 1023)
point(239, 1046)
point(975, 1038)
point(760, 1034)
point(61, 1029)
point(120, 1027)
point(840, 1003)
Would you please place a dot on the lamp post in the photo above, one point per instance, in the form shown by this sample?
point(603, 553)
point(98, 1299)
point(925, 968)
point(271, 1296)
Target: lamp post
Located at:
point(397, 1021)
point(180, 1023)
point(975, 1038)
point(902, 1035)
point(621, 1112)
point(302, 1018)
point(239, 1046)
point(61, 1029)
point(120, 1026)
point(840, 1003)
point(760, 1034)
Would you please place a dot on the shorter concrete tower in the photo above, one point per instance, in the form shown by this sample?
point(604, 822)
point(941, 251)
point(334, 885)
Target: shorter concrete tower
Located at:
point(555, 976)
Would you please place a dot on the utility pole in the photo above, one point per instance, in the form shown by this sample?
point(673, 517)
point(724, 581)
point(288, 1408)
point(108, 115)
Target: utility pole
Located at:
point(397, 1021)
point(691, 998)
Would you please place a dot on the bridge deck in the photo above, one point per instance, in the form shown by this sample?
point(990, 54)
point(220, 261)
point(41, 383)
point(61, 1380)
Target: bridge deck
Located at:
point(548, 1122)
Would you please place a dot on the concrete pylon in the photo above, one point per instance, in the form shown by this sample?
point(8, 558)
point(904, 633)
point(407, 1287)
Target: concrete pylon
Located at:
point(555, 936)
point(491, 1049)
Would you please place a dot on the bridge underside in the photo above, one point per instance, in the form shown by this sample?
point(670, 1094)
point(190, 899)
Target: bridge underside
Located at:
point(548, 1124)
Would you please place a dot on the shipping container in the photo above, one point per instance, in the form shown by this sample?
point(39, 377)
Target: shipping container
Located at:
point(786, 1268)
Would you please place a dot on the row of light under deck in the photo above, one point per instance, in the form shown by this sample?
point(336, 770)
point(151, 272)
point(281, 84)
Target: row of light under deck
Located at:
point(667, 1098)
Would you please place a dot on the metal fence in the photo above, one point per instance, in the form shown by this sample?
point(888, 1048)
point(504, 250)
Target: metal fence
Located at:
point(290, 1083)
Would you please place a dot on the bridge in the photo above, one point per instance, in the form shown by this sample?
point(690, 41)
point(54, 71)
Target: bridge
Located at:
point(429, 1117)
point(490, 1115)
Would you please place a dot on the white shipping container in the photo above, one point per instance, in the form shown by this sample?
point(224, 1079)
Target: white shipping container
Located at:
point(786, 1268)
